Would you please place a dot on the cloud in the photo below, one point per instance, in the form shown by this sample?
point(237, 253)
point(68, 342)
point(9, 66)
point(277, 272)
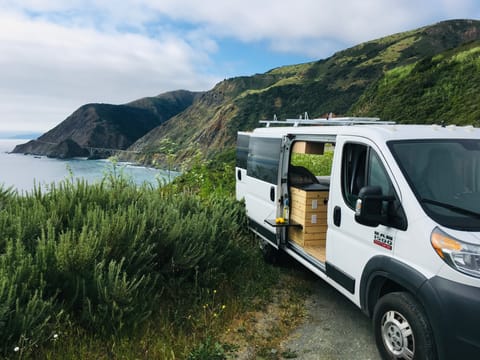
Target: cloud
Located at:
point(56, 55)
point(46, 66)
point(285, 25)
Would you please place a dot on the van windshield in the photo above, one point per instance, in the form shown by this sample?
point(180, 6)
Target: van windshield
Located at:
point(445, 177)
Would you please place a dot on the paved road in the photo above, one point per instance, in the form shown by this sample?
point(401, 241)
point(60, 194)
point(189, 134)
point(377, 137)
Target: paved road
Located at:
point(335, 329)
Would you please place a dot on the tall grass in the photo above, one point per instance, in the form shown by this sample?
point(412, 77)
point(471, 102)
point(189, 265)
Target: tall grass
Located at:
point(114, 261)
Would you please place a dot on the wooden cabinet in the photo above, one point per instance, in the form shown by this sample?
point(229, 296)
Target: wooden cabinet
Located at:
point(308, 207)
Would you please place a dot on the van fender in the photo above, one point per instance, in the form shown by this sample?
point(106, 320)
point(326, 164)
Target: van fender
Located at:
point(379, 270)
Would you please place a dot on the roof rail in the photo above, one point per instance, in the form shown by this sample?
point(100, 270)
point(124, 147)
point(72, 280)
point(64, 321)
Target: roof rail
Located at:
point(327, 121)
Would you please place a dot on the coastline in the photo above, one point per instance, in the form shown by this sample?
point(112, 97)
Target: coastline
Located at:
point(27, 171)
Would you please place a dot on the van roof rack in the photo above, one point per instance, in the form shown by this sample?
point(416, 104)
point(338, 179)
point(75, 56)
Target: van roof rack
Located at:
point(330, 120)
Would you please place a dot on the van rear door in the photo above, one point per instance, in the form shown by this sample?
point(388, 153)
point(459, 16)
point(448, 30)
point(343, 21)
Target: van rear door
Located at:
point(261, 186)
point(243, 140)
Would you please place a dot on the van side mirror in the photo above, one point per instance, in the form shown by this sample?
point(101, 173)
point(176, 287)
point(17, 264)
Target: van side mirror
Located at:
point(369, 208)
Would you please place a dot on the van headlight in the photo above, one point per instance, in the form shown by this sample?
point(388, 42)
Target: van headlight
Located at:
point(459, 255)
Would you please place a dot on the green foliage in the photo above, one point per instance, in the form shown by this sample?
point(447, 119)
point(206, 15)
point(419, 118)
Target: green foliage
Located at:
point(440, 89)
point(208, 350)
point(107, 257)
point(319, 165)
point(207, 177)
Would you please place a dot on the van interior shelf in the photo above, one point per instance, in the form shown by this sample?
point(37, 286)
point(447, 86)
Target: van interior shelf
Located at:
point(289, 223)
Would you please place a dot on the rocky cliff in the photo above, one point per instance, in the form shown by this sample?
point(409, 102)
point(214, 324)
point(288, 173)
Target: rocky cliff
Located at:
point(94, 129)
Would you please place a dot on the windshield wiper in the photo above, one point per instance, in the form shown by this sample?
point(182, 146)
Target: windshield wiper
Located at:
point(451, 207)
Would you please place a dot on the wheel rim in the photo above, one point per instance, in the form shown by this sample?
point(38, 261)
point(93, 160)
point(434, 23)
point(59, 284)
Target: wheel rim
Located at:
point(397, 335)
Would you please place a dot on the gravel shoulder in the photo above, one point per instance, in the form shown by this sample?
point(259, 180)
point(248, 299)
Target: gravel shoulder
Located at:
point(334, 328)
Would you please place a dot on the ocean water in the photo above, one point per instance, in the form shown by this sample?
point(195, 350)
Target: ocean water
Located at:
point(24, 171)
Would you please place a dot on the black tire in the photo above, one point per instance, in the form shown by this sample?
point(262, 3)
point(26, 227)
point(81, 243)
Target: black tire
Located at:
point(270, 254)
point(401, 328)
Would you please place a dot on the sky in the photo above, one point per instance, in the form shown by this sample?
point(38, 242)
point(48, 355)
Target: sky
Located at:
point(57, 55)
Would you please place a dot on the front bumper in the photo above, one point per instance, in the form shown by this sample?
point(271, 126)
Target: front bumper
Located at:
point(454, 313)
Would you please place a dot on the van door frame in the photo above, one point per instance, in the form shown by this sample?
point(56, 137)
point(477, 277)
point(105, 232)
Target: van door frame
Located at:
point(287, 143)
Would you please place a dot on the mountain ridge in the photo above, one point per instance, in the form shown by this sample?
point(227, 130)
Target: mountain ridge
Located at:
point(334, 84)
point(107, 126)
point(347, 83)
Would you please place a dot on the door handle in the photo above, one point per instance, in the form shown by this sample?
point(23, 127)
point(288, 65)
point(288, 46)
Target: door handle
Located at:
point(337, 216)
point(272, 193)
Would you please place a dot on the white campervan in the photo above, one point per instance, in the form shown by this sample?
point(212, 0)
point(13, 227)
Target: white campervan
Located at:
point(394, 224)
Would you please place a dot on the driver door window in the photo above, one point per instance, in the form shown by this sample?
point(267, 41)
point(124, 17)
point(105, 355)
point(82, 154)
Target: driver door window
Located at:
point(377, 175)
point(362, 167)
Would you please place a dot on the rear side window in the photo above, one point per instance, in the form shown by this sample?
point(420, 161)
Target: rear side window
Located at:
point(243, 141)
point(264, 158)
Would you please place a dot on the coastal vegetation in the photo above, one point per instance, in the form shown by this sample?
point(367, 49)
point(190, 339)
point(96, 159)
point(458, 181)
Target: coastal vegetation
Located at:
point(439, 89)
point(116, 270)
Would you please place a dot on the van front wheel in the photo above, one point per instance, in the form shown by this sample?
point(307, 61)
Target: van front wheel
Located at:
point(401, 328)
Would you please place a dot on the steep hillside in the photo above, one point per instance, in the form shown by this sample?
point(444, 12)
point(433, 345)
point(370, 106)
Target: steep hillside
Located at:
point(424, 75)
point(441, 89)
point(333, 85)
point(203, 123)
point(107, 126)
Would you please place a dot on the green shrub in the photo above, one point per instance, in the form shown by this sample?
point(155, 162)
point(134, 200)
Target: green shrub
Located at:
point(208, 350)
point(319, 165)
point(106, 257)
point(27, 313)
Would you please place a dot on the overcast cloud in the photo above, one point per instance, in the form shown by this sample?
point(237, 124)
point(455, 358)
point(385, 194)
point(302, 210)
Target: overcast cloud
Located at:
point(57, 55)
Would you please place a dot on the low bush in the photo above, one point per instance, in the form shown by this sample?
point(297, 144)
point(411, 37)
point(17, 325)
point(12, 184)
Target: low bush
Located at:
point(104, 258)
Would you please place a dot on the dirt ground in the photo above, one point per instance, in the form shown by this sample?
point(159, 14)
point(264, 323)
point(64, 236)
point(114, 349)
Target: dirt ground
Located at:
point(333, 328)
point(306, 319)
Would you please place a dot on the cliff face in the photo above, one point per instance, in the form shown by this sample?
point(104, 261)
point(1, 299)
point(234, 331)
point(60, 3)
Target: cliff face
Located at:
point(63, 150)
point(94, 127)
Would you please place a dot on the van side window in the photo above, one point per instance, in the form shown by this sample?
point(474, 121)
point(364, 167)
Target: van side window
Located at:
point(242, 150)
point(263, 159)
point(361, 166)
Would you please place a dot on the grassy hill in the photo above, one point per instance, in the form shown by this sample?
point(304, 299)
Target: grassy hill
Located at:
point(444, 88)
point(351, 82)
